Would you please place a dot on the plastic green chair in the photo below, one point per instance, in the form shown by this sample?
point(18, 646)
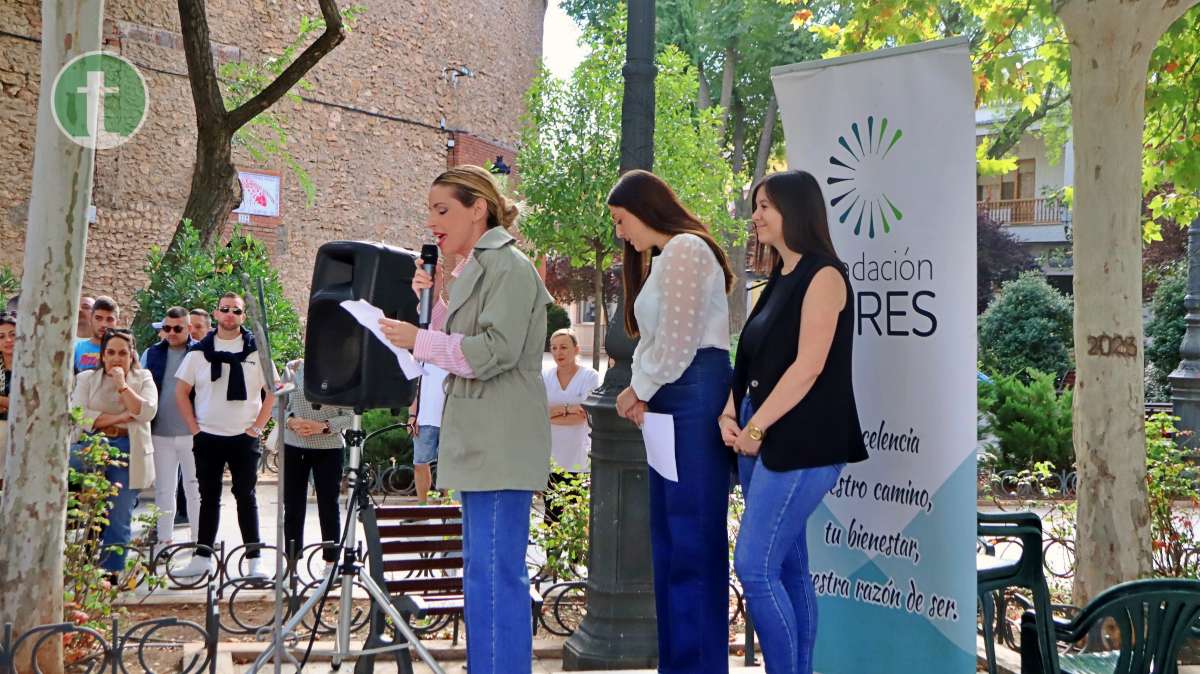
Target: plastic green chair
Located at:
point(1025, 572)
point(1133, 628)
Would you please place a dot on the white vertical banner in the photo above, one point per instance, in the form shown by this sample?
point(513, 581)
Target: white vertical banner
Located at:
point(890, 136)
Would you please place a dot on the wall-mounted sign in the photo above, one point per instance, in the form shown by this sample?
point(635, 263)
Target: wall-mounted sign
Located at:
point(260, 194)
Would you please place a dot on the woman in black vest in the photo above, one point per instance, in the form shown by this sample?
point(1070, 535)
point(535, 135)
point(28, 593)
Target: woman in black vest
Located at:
point(798, 421)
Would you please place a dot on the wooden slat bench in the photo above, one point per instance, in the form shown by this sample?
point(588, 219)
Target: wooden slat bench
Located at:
point(415, 553)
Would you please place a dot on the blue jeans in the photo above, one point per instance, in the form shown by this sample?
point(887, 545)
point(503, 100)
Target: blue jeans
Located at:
point(120, 510)
point(688, 528)
point(498, 611)
point(771, 557)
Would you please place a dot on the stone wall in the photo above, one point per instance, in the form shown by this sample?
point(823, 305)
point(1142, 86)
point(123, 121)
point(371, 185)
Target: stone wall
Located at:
point(372, 132)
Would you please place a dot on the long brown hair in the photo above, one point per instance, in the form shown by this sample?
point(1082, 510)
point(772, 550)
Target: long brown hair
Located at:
point(651, 200)
point(798, 198)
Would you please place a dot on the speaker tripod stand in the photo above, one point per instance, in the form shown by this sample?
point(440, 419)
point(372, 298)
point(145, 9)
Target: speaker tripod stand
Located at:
point(348, 572)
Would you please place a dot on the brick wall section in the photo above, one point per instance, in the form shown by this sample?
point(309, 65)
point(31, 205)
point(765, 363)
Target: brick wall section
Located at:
point(469, 149)
point(371, 132)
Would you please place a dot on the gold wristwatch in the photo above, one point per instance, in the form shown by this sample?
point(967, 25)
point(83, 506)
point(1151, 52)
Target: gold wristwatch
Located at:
point(756, 433)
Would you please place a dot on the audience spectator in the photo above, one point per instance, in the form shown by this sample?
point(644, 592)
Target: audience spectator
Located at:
point(568, 385)
point(199, 323)
point(172, 439)
point(312, 445)
point(83, 321)
point(425, 423)
point(119, 400)
point(105, 314)
point(226, 419)
point(8, 340)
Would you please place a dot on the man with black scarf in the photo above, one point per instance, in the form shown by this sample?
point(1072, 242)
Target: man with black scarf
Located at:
point(226, 420)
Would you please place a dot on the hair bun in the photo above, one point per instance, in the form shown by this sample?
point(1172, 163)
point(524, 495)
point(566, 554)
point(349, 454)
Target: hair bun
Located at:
point(508, 212)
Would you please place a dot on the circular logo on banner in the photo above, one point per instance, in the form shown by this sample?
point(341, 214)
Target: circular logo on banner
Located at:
point(99, 100)
point(861, 200)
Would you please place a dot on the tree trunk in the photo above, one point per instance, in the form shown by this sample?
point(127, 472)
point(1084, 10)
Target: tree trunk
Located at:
point(33, 507)
point(739, 255)
point(1110, 52)
point(735, 248)
point(215, 190)
point(728, 74)
point(703, 97)
point(598, 295)
point(766, 138)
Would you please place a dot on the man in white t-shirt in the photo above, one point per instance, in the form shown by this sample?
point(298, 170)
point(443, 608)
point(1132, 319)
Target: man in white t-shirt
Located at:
point(226, 421)
point(427, 427)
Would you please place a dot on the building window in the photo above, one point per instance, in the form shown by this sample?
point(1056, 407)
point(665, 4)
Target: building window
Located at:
point(587, 311)
point(1026, 183)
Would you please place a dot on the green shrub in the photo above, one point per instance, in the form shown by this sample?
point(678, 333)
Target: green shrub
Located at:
point(394, 446)
point(1028, 325)
point(556, 319)
point(566, 541)
point(1165, 329)
point(10, 285)
point(1171, 479)
point(197, 277)
point(1030, 420)
point(89, 595)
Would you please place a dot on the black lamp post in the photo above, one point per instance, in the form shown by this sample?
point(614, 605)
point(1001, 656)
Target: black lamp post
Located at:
point(619, 630)
point(1185, 380)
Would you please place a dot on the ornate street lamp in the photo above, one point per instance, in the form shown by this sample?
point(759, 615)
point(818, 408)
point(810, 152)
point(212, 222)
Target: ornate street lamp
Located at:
point(619, 630)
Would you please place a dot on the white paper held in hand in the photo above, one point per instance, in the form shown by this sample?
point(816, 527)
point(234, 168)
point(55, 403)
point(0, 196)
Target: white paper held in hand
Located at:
point(658, 431)
point(368, 316)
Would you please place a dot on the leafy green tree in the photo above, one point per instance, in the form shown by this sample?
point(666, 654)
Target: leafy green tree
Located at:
point(732, 44)
point(570, 147)
point(236, 115)
point(1028, 325)
point(201, 275)
point(1000, 258)
point(1166, 327)
point(1130, 70)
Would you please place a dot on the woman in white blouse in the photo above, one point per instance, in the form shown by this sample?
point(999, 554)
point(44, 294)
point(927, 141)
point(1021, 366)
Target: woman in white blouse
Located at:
point(677, 306)
point(568, 385)
point(119, 399)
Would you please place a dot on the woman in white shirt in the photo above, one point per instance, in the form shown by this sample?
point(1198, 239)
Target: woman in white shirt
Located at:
point(677, 305)
point(119, 399)
point(568, 385)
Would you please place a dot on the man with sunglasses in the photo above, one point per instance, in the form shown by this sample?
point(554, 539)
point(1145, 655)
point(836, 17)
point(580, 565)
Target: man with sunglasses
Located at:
point(226, 417)
point(169, 430)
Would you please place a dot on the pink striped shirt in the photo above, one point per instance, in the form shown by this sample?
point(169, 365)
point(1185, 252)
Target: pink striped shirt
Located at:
point(439, 347)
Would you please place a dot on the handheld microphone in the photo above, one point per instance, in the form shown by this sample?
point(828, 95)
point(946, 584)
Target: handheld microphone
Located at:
point(429, 258)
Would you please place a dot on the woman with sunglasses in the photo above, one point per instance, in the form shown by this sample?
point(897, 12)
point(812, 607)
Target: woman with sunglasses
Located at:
point(118, 400)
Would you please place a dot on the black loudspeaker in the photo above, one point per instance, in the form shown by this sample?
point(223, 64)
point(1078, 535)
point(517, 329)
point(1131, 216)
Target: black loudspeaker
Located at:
point(344, 363)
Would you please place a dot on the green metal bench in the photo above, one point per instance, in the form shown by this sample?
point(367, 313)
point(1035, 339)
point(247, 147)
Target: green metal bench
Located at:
point(1133, 628)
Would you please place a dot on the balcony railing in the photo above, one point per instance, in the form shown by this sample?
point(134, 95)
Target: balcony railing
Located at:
point(1023, 211)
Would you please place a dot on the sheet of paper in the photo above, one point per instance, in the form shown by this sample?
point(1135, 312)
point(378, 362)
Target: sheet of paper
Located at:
point(658, 430)
point(368, 316)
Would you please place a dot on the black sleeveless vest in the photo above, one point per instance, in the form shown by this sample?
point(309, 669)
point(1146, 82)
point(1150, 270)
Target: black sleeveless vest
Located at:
point(823, 428)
